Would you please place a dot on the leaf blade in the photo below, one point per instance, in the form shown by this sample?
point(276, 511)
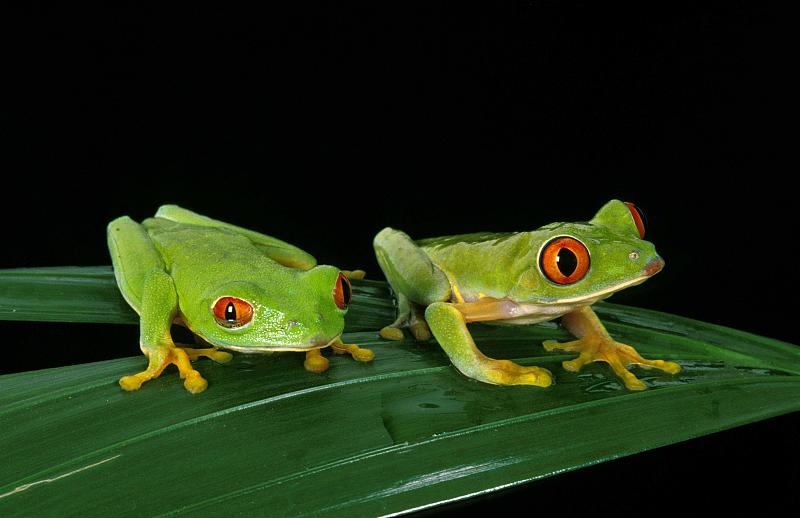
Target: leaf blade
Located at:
point(405, 432)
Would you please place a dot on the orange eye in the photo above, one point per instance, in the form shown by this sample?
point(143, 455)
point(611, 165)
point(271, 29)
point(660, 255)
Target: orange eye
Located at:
point(342, 292)
point(232, 312)
point(564, 260)
point(638, 217)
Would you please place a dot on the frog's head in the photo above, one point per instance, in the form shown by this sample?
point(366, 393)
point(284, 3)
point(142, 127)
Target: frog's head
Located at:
point(581, 263)
point(298, 311)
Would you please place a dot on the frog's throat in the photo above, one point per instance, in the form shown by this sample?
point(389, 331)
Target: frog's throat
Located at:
point(591, 298)
point(307, 346)
point(532, 312)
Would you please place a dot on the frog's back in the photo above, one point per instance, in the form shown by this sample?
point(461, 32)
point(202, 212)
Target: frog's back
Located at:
point(474, 240)
point(488, 262)
point(184, 245)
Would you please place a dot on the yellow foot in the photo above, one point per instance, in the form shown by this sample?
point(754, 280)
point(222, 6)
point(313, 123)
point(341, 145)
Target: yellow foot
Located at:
point(159, 359)
point(391, 333)
point(211, 353)
point(419, 328)
point(315, 362)
point(358, 354)
point(619, 356)
point(354, 274)
point(505, 372)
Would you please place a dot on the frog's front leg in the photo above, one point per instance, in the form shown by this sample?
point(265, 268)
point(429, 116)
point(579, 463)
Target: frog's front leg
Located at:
point(357, 353)
point(159, 304)
point(595, 344)
point(449, 326)
point(315, 362)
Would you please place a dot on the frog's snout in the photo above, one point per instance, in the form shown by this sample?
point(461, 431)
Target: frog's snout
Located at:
point(654, 266)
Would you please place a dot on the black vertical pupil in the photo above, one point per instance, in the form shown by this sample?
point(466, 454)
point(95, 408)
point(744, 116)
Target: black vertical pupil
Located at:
point(346, 291)
point(230, 312)
point(567, 262)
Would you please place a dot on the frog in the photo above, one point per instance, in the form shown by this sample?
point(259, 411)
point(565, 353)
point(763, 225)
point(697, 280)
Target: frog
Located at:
point(521, 278)
point(234, 289)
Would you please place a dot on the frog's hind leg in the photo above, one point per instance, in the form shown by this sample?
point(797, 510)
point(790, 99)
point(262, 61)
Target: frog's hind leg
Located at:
point(277, 250)
point(134, 256)
point(416, 281)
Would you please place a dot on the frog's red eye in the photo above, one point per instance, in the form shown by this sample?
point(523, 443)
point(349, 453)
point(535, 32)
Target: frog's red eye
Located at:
point(342, 292)
point(564, 260)
point(232, 312)
point(638, 217)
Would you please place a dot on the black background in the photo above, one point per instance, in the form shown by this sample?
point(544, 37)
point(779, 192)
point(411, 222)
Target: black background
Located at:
point(321, 125)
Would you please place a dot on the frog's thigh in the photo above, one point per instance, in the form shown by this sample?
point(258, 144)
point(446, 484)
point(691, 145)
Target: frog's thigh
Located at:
point(409, 269)
point(134, 256)
point(280, 251)
point(415, 279)
point(450, 329)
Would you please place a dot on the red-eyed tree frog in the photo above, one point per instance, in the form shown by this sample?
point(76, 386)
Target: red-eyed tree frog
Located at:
point(559, 270)
point(232, 288)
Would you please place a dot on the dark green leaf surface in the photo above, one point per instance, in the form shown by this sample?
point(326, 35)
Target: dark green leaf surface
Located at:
point(63, 294)
point(404, 432)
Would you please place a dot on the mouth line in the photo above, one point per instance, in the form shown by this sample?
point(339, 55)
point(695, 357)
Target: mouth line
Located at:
point(600, 294)
point(303, 347)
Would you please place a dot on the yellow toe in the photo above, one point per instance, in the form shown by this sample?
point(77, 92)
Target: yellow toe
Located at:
point(391, 333)
point(130, 383)
point(633, 383)
point(363, 355)
point(539, 378)
point(421, 332)
point(195, 383)
point(550, 345)
point(221, 356)
point(316, 363)
point(670, 367)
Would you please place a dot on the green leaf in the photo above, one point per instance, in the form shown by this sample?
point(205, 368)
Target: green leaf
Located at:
point(403, 432)
point(63, 294)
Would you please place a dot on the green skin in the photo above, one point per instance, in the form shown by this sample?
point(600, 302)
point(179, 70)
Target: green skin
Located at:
point(173, 268)
point(498, 278)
